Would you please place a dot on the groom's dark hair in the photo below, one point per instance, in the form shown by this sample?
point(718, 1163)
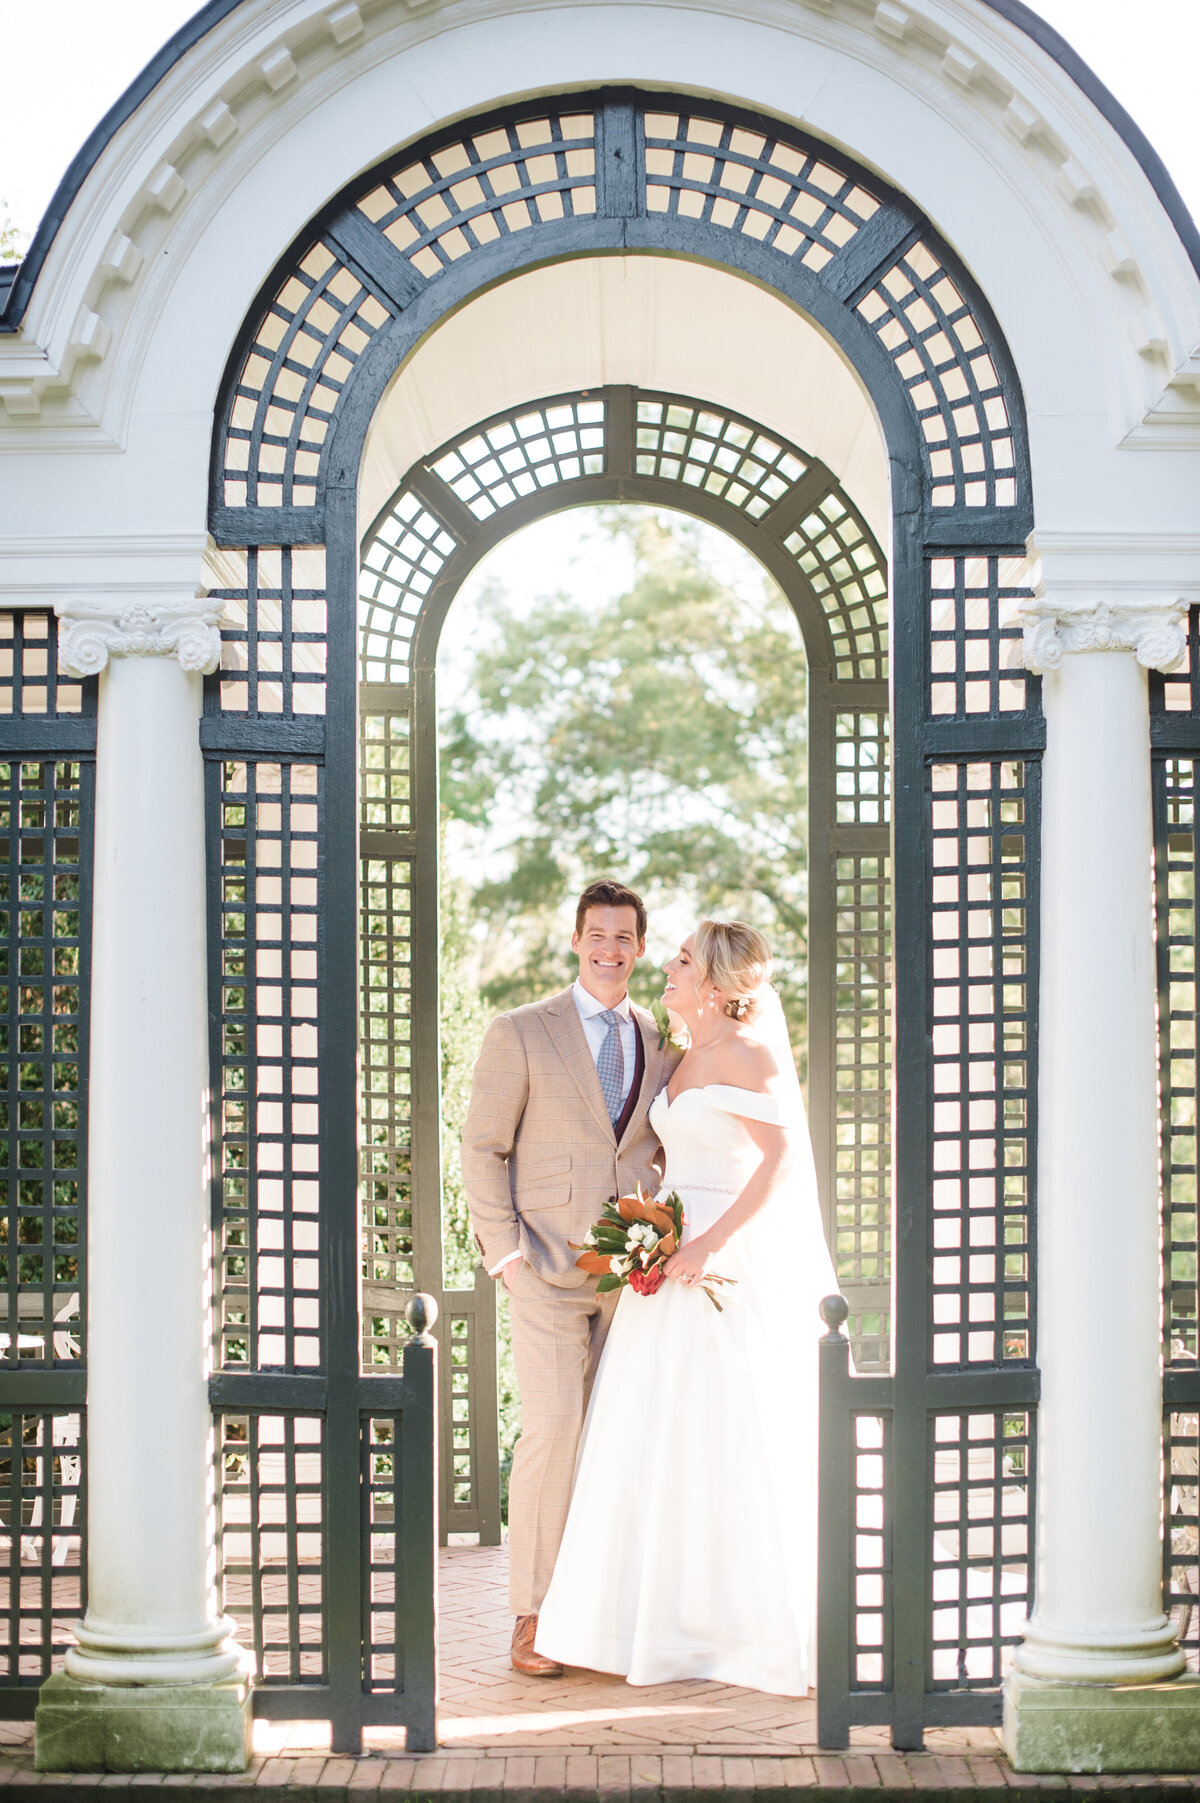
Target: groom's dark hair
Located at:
point(605, 894)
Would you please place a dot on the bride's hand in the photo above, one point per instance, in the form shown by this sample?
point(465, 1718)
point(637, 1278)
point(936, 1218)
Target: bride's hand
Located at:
point(689, 1263)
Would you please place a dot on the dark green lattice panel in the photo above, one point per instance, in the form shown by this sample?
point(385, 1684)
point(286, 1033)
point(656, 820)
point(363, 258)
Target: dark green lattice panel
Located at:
point(270, 1254)
point(1175, 796)
point(923, 321)
point(386, 1111)
point(981, 1481)
point(984, 845)
point(871, 1452)
point(271, 1541)
point(273, 633)
point(863, 1099)
point(43, 1523)
point(975, 643)
point(45, 835)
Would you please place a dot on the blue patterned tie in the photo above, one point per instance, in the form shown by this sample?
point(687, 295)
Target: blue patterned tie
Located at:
point(610, 1065)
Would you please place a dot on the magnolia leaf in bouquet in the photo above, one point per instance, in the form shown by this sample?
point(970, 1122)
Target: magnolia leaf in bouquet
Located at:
point(609, 1283)
point(660, 1217)
point(599, 1264)
point(636, 1207)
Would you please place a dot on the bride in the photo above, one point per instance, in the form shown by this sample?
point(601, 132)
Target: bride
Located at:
point(690, 1546)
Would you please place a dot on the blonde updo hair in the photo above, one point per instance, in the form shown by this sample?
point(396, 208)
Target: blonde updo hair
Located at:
point(737, 959)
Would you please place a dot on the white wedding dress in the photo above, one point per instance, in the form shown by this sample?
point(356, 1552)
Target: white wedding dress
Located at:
point(690, 1547)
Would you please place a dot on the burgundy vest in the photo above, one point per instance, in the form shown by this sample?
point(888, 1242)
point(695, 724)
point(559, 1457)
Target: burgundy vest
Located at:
point(635, 1088)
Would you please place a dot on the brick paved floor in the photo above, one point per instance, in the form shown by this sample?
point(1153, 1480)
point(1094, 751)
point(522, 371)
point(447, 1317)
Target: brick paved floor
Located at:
point(586, 1738)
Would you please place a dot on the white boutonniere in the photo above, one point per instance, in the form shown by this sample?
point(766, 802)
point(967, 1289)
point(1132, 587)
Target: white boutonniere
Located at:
point(668, 1033)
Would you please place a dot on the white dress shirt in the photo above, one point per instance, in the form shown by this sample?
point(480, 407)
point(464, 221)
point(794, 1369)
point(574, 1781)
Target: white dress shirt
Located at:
point(595, 1031)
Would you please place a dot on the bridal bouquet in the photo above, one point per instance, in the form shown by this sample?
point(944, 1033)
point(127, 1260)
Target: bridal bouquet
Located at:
point(632, 1241)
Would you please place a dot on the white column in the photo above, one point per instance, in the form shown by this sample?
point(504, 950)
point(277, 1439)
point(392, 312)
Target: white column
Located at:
point(151, 1603)
point(1098, 1617)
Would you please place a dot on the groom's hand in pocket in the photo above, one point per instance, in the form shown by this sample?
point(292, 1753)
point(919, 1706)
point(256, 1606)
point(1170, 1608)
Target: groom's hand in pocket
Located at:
point(509, 1273)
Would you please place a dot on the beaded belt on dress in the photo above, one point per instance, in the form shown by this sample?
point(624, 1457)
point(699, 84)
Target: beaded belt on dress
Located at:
point(714, 1189)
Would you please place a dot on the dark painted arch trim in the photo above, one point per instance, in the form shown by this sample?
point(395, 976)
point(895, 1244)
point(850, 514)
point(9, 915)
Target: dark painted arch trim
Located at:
point(831, 309)
point(762, 537)
point(20, 279)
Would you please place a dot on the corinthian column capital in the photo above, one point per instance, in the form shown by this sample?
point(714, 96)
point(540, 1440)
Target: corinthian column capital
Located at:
point(1153, 629)
point(92, 630)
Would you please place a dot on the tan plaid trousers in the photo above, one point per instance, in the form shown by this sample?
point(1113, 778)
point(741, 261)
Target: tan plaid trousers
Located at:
point(557, 1337)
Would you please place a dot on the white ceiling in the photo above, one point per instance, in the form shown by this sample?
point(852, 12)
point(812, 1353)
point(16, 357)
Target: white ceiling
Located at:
point(653, 321)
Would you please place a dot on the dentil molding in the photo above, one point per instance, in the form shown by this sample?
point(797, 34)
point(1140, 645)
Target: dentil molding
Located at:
point(1155, 631)
point(210, 116)
point(92, 631)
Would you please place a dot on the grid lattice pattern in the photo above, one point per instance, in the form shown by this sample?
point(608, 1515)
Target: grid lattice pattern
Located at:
point(45, 809)
point(711, 451)
point(1181, 1544)
point(271, 1237)
point(983, 840)
point(975, 653)
point(863, 1090)
point(871, 1563)
point(941, 356)
point(725, 456)
point(304, 351)
point(980, 1478)
point(462, 1451)
point(1177, 932)
point(273, 632)
point(488, 185)
point(836, 550)
point(515, 457)
point(754, 184)
point(399, 567)
point(386, 1154)
point(862, 768)
point(271, 1535)
point(30, 683)
point(383, 1654)
point(43, 1519)
point(385, 781)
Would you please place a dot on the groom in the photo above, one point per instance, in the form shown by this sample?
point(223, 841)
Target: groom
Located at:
point(557, 1127)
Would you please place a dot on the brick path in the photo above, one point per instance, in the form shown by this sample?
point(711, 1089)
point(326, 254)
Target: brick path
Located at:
point(585, 1738)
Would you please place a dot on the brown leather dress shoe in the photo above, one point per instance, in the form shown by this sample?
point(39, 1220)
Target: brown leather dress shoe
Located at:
point(525, 1657)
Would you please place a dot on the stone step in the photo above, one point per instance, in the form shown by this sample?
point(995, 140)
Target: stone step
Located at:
point(572, 1777)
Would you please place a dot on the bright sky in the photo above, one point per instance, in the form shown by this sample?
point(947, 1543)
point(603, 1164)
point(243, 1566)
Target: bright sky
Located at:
point(90, 50)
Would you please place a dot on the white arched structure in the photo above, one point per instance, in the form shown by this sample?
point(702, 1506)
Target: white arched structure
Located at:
point(117, 332)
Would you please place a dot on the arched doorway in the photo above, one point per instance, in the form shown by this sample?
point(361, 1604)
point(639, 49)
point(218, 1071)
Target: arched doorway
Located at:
point(618, 172)
point(791, 512)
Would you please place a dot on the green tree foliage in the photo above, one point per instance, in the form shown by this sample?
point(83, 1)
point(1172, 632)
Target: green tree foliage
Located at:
point(658, 737)
point(13, 241)
point(464, 1022)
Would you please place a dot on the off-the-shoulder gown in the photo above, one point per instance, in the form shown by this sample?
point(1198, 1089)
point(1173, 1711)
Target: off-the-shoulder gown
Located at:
point(689, 1549)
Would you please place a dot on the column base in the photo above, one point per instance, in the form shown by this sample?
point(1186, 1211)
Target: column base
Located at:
point(1102, 1727)
point(142, 1727)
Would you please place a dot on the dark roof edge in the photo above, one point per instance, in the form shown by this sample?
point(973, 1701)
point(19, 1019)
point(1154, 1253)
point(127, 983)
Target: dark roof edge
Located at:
point(1015, 11)
point(89, 153)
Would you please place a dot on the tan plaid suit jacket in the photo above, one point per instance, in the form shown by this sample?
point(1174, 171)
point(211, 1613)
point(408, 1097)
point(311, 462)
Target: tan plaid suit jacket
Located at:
point(539, 1155)
point(540, 1159)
